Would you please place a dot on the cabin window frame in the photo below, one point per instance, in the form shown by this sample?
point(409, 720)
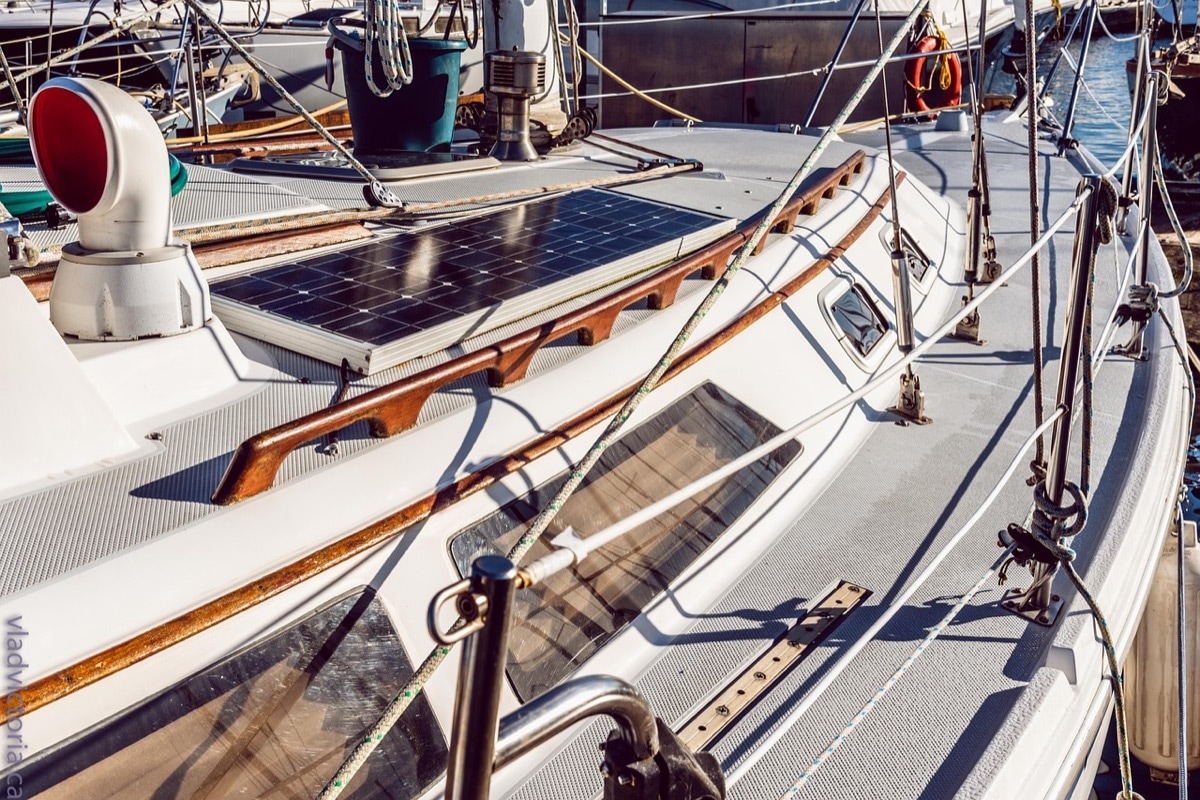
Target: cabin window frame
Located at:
point(870, 360)
point(912, 248)
point(146, 722)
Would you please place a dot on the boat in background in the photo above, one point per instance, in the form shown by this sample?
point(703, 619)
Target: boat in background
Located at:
point(706, 427)
point(1178, 108)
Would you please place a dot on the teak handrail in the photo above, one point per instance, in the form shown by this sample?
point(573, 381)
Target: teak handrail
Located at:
point(111, 660)
point(394, 408)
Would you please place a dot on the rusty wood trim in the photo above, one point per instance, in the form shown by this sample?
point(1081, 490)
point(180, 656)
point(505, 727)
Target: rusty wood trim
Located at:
point(116, 658)
point(393, 408)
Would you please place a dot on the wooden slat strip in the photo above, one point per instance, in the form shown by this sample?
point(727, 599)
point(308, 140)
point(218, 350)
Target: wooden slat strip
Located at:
point(786, 651)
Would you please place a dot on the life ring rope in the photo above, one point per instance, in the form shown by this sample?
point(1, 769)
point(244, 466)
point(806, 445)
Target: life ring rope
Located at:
point(946, 73)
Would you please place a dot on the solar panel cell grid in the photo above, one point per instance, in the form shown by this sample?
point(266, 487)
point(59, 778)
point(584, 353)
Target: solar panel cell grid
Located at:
point(378, 292)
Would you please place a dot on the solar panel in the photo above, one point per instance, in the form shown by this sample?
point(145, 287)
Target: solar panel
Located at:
point(387, 301)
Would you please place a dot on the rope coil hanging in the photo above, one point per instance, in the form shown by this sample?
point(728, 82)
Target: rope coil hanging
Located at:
point(944, 84)
point(385, 33)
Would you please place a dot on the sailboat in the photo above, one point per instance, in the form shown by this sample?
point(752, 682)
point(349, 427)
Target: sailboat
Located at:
point(696, 460)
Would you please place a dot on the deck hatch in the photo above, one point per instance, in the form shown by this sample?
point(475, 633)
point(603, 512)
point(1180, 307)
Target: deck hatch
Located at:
point(387, 301)
point(272, 722)
point(560, 623)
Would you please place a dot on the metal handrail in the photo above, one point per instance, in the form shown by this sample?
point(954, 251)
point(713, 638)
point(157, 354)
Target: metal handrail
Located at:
point(552, 713)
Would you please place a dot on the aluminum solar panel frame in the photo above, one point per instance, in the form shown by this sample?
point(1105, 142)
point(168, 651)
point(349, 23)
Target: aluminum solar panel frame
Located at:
point(413, 293)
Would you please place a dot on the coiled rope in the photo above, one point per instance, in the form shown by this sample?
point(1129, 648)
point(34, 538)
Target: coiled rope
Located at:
point(941, 62)
point(385, 34)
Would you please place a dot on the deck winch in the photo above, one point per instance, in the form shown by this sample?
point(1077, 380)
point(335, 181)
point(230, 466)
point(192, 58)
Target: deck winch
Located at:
point(104, 160)
point(514, 78)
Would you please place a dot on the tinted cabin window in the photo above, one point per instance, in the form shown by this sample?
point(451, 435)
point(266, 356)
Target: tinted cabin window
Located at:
point(274, 722)
point(559, 624)
point(918, 262)
point(859, 319)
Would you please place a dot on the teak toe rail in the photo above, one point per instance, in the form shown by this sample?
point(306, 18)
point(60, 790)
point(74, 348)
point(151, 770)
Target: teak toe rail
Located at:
point(112, 660)
point(393, 408)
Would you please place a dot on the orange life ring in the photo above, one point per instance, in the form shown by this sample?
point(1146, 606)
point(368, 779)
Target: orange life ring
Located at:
point(925, 92)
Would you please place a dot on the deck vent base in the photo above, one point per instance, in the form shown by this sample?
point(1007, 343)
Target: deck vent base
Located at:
point(514, 78)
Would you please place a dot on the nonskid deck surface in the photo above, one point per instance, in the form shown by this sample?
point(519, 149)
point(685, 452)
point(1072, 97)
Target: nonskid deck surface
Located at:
point(45, 533)
point(887, 515)
point(891, 510)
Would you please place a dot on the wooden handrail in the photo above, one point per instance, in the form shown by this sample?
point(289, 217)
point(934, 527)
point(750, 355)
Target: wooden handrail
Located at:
point(394, 408)
point(57, 685)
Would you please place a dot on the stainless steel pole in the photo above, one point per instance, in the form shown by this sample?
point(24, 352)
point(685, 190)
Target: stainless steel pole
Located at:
point(480, 681)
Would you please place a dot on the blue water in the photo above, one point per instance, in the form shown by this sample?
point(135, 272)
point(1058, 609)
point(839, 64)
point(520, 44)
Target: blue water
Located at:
point(1102, 110)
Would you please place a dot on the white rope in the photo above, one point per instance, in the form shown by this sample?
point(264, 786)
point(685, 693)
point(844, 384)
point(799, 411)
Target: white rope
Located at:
point(1088, 89)
point(385, 33)
point(852, 652)
point(584, 547)
point(1110, 35)
point(1100, 354)
point(895, 677)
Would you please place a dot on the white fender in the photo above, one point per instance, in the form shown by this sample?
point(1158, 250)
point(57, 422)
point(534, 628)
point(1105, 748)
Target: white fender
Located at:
point(103, 158)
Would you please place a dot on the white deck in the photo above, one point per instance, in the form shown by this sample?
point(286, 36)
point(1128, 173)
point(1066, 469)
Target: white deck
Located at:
point(90, 560)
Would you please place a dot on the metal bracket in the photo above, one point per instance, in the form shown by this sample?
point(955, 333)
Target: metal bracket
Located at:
point(991, 268)
point(1135, 348)
point(968, 327)
point(1020, 602)
point(910, 405)
point(1038, 603)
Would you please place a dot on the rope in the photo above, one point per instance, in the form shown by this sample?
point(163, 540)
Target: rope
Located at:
point(1038, 467)
point(636, 92)
point(1067, 57)
point(118, 28)
point(385, 33)
point(833, 672)
point(1106, 211)
point(380, 194)
point(1066, 556)
point(576, 60)
point(934, 632)
point(941, 62)
point(1177, 226)
point(815, 71)
point(1109, 34)
point(539, 524)
point(709, 15)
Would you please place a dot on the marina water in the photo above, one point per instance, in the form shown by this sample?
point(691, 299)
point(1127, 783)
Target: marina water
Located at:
point(1102, 110)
